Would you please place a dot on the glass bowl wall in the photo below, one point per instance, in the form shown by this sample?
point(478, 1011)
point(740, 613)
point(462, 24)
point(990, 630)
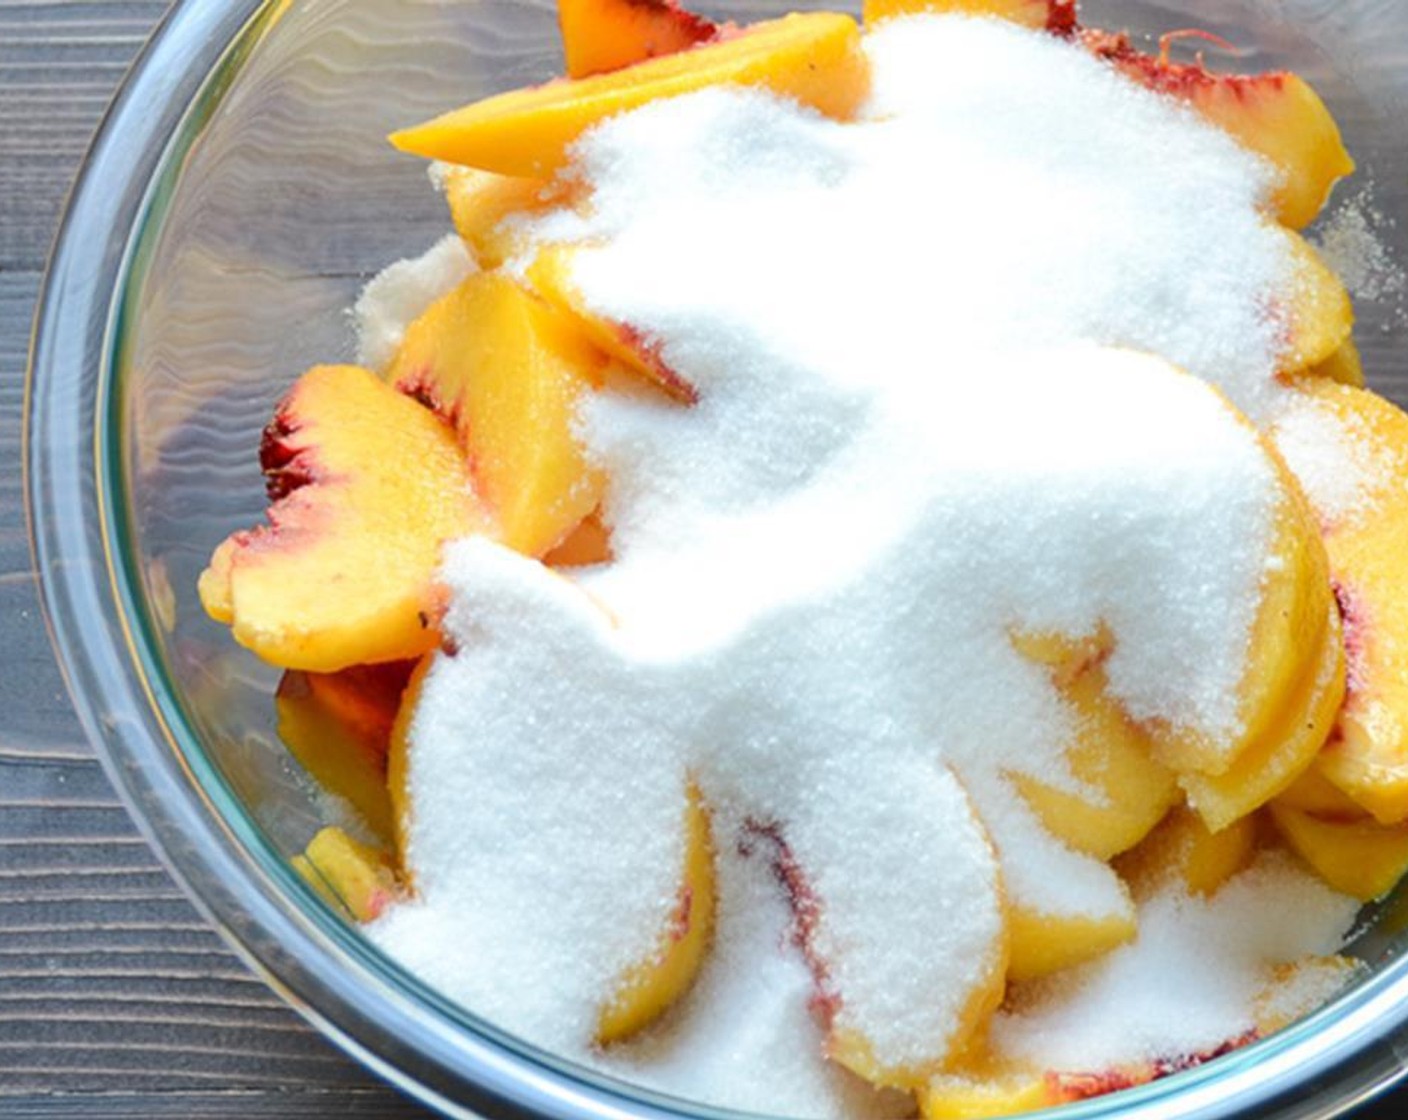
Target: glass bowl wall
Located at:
point(240, 194)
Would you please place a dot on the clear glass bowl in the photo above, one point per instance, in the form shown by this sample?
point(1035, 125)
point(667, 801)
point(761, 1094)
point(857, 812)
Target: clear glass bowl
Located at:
point(238, 195)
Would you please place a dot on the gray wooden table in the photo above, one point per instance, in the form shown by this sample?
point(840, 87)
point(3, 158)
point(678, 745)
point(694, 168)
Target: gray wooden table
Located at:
point(115, 997)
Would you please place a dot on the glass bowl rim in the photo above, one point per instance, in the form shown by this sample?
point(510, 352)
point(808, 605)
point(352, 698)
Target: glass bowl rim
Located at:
point(101, 630)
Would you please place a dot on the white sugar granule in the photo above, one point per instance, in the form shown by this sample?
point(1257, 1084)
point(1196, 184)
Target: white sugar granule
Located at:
point(1191, 980)
point(400, 293)
point(1351, 239)
point(936, 409)
point(1339, 465)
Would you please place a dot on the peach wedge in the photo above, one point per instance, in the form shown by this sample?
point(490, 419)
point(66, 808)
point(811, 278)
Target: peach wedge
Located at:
point(338, 726)
point(653, 985)
point(347, 873)
point(1129, 791)
point(1367, 755)
point(813, 58)
point(1360, 858)
point(484, 207)
point(550, 275)
point(1292, 684)
point(398, 760)
point(1277, 115)
point(1317, 315)
point(367, 485)
point(603, 35)
point(508, 371)
point(1043, 943)
point(1182, 851)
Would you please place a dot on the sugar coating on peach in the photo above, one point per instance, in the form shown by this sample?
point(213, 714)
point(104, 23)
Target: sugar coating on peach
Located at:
point(1270, 913)
point(1347, 445)
point(1293, 682)
point(550, 275)
point(652, 985)
point(490, 210)
point(367, 486)
point(1278, 115)
point(1121, 791)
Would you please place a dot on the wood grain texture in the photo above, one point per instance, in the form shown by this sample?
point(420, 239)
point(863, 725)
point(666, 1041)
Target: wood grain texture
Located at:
point(116, 999)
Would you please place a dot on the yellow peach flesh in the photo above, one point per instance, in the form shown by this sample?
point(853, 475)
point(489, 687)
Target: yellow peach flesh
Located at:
point(1363, 859)
point(813, 58)
point(1129, 791)
point(358, 875)
point(372, 486)
point(1183, 851)
point(508, 371)
point(651, 987)
point(599, 36)
point(1367, 755)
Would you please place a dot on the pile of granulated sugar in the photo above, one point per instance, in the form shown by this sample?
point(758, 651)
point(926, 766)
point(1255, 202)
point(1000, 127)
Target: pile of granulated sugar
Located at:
point(924, 425)
point(1192, 981)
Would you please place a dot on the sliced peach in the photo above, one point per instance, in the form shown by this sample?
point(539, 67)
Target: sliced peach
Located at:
point(652, 986)
point(1183, 850)
point(1319, 317)
point(367, 486)
point(550, 275)
point(1292, 683)
point(1128, 790)
point(358, 876)
point(508, 372)
point(484, 207)
point(994, 1087)
point(1286, 747)
point(1056, 16)
point(1045, 943)
point(603, 35)
point(1344, 366)
point(814, 58)
point(1314, 793)
point(970, 1003)
point(985, 1093)
point(1367, 755)
point(1360, 858)
point(1276, 115)
point(398, 759)
point(997, 1088)
point(314, 878)
point(338, 726)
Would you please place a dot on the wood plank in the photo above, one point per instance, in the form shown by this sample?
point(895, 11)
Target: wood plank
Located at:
point(116, 998)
